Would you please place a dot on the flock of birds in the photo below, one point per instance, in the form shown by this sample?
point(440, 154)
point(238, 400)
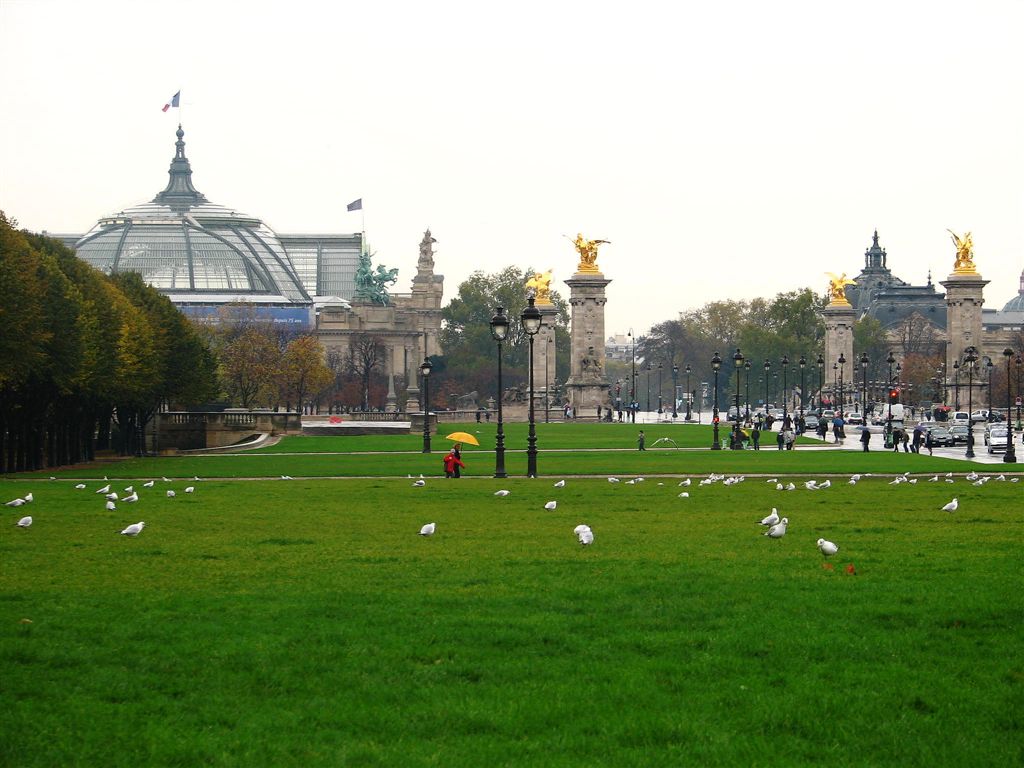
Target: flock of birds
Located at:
point(111, 497)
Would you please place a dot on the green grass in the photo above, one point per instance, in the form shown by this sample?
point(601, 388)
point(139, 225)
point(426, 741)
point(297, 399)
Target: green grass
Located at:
point(305, 623)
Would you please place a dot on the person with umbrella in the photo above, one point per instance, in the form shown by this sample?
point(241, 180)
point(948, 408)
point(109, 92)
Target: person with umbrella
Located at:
point(456, 453)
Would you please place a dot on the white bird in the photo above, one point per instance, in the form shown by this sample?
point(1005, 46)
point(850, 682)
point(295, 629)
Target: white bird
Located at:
point(1001, 479)
point(580, 528)
point(949, 474)
point(166, 480)
point(29, 498)
point(421, 477)
point(132, 498)
point(111, 506)
point(855, 478)
point(149, 484)
point(25, 522)
point(912, 481)
point(170, 494)
point(791, 487)
point(772, 519)
point(933, 479)
point(685, 483)
point(52, 477)
point(948, 480)
point(551, 505)
point(613, 479)
point(631, 482)
point(560, 484)
point(104, 489)
point(780, 487)
point(112, 496)
point(972, 476)
point(190, 489)
point(129, 489)
point(852, 482)
point(196, 478)
point(1014, 479)
point(811, 485)
point(419, 483)
point(502, 492)
point(105, 478)
point(827, 547)
point(14, 503)
point(772, 480)
point(134, 529)
point(951, 507)
point(639, 479)
point(778, 530)
point(428, 529)
point(586, 537)
point(684, 495)
point(287, 477)
point(826, 484)
point(80, 486)
point(979, 482)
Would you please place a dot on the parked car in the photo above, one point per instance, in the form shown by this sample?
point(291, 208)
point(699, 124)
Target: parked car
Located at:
point(995, 439)
point(959, 433)
point(854, 419)
point(810, 422)
point(941, 437)
point(962, 418)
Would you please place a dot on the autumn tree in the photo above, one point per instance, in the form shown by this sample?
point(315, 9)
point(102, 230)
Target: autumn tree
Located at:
point(249, 364)
point(303, 371)
point(365, 356)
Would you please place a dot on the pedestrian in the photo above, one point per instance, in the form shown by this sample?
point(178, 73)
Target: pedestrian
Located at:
point(640, 441)
point(457, 450)
point(451, 464)
point(780, 440)
point(837, 428)
point(789, 438)
point(928, 442)
point(896, 437)
point(487, 415)
point(755, 435)
point(599, 412)
point(865, 438)
point(479, 413)
point(905, 439)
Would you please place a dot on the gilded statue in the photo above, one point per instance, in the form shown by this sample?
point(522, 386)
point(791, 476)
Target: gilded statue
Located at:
point(964, 253)
point(540, 283)
point(837, 288)
point(587, 250)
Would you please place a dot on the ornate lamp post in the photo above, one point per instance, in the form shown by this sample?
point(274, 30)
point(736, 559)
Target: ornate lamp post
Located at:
point(1016, 364)
point(531, 324)
point(970, 358)
point(821, 378)
point(989, 366)
point(746, 415)
point(888, 398)
point(660, 408)
point(675, 390)
point(842, 366)
point(864, 361)
point(1010, 456)
point(547, 389)
point(647, 368)
point(956, 385)
point(785, 388)
point(716, 364)
point(767, 368)
point(425, 368)
point(737, 443)
point(775, 387)
point(689, 395)
point(499, 330)
point(802, 362)
point(632, 385)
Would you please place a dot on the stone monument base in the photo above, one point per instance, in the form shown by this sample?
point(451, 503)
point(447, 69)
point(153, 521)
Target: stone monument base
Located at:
point(587, 396)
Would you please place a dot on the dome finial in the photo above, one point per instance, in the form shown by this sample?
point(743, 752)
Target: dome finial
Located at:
point(179, 193)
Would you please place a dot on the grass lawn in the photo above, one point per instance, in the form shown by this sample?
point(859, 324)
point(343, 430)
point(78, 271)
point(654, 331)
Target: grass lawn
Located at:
point(305, 623)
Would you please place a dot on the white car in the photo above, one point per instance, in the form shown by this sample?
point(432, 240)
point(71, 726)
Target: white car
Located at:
point(962, 418)
point(996, 440)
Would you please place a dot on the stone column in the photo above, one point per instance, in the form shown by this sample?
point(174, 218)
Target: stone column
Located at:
point(544, 356)
point(839, 318)
point(587, 386)
point(963, 314)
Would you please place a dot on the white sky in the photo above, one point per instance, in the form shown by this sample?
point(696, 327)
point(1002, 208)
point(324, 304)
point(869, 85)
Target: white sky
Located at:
point(728, 150)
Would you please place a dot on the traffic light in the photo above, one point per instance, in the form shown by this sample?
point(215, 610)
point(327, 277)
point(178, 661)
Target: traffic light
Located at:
point(894, 396)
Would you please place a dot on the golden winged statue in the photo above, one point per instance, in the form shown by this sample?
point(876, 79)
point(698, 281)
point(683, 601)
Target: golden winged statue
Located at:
point(587, 250)
point(837, 289)
point(964, 264)
point(540, 283)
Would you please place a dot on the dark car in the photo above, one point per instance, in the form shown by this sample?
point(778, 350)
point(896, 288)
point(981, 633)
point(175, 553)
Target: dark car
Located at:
point(942, 437)
point(959, 433)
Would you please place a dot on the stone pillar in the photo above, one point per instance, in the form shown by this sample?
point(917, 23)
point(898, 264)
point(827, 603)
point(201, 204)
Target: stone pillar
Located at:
point(963, 314)
point(587, 386)
point(544, 356)
point(839, 318)
point(412, 376)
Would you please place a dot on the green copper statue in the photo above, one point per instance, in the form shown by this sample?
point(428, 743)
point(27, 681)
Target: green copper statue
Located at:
point(372, 286)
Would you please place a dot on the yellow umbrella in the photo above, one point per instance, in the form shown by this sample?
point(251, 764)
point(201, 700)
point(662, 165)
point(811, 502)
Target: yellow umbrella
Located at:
point(463, 437)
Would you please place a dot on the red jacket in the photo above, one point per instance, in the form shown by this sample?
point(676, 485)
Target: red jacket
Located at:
point(450, 461)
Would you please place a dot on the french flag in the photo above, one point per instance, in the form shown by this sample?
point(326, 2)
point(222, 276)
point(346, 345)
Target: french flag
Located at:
point(173, 102)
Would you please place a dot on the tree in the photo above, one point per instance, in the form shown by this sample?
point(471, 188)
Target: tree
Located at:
point(365, 355)
point(303, 370)
point(249, 364)
point(917, 335)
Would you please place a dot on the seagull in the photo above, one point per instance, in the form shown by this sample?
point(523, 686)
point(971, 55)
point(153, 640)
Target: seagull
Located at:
point(112, 496)
point(134, 529)
point(111, 506)
point(170, 494)
point(631, 482)
point(852, 482)
point(287, 477)
point(419, 483)
point(827, 547)
point(951, 507)
point(1014, 479)
point(826, 484)
point(560, 484)
point(979, 482)
point(778, 530)
point(949, 474)
point(104, 489)
point(613, 479)
point(639, 479)
point(428, 529)
point(586, 537)
point(196, 478)
point(148, 484)
point(581, 528)
point(685, 483)
point(190, 489)
point(972, 476)
point(25, 522)
point(791, 487)
point(29, 498)
point(14, 503)
point(1001, 479)
point(131, 499)
point(165, 479)
point(855, 478)
point(948, 480)
point(772, 480)
point(912, 481)
point(80, 486)
point(129, 489)
point(780, 487)
point(772, 519)
point(933, 479)
point(811, 485)
point(551, 505)
point(502, 492)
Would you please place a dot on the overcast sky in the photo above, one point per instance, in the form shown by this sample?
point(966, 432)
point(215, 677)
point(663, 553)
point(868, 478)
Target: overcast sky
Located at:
point(728, 150)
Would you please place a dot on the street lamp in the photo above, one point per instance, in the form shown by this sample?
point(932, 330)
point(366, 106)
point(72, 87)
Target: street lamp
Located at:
point(970, 358)
point(956, 385)
point(675, 389)
point(864, 387)
point(767, 367)
point(785, 388)
point(888, 398)
point(689, 396)
point(821, 378)
point(746, 416)
point(647, 368)
point(737, 444)
point(1010, 456)
point(989, 366)
point(716, 363)
point(531, 324)
point(547, 390)
point(842, 368)
point(499, 330)
point(802, 362)
point(632, 385)
point(425, 367)
point(660, 409)
point(1016, 364)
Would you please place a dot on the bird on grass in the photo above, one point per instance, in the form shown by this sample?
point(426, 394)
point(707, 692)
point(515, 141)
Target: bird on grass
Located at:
point(580, 528)
point(171, 494)
point(772, 519)
point(419, 484)
point(112, 496)
point(131, 499)
point(952, 506)
point(149, 484)
point(80, 486)
point(134, 529)
point(129, 489)
point(613, 479)
point(586, 537)
point(25, 522)
point(104, 489)
point(684, 495)
point(778, 530)
point(560, 484)
point(428, 529)
point(685, 483)
point(933, 479)
point(551, 505)
point(827, 548)
point(111, 506)
point(29, 498)
point(15, 503)
point(502, 492)
point(190, 489)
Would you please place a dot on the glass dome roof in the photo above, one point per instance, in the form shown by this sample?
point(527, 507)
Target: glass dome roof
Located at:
point(194, 250)
point(1016, 304)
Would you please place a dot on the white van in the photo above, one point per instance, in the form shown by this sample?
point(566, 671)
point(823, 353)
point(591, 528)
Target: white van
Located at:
point(960, 417)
